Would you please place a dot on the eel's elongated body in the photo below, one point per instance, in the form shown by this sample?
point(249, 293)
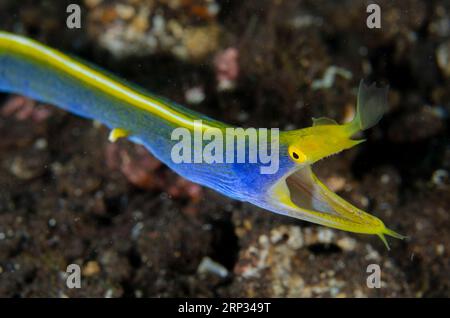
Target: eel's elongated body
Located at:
point(39, 72)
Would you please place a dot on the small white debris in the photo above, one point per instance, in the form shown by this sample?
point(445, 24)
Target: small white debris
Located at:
point(292, 233)
point(263, 240)
point(109, 293)
point(385, 178)
point(194, 95)
point(372, 255)
point(125, 12)
point(440, 249)
point(136, 230)
point(213, 8)
point(40, 144)
point(305, 21)
point(325, 235)
point(138, 293)
point(159, 24)
point(443, 58)
point(439, 176)
point(207, 227)
point(52, 222)
point(364, 201)
point(327, 80)
point(346, 244)
point(295, 238)
point(225, 85)
point(207, 265)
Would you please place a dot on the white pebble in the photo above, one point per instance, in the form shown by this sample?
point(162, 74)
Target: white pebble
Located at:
point(194, 95)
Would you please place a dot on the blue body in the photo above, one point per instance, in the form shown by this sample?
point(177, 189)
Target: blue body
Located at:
point(242, 181)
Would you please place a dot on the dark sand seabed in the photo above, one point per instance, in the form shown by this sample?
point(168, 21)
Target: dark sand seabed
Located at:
point(137, 230)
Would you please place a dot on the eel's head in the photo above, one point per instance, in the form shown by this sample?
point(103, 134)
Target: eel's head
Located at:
point(300, 194)
point(306, 146)
point(326, 137)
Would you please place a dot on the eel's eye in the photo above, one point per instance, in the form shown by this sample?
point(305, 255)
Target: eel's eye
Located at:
point(296, 154)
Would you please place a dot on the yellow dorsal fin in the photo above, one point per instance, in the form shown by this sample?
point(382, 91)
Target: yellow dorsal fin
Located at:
point(323, 121)
point(117, 133)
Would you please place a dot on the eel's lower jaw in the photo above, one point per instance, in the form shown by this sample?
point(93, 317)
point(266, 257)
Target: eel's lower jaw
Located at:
point(302, 195)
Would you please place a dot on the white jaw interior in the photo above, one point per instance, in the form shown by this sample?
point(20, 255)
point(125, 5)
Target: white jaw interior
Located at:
point(301, 195)
point(306, 193)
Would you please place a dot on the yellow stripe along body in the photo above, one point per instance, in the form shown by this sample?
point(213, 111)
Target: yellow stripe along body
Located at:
point(45, 55)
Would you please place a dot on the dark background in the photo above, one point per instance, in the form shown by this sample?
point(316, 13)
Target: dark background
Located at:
point(138, 230)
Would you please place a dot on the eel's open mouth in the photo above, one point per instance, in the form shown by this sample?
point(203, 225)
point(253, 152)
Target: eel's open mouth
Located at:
point(306, 193)
point(305, 197)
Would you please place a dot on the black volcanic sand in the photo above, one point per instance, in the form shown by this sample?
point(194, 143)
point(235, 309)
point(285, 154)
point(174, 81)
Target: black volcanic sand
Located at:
point(60, 203)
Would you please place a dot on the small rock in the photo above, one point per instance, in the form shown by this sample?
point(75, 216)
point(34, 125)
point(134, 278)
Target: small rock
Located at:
point(439, 177)
point(125, 11)
point(440, 249)
point(194, 95)
point(91, 268)
point(346, 244)
point(207, 265)
point(443, 58)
